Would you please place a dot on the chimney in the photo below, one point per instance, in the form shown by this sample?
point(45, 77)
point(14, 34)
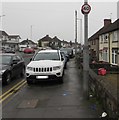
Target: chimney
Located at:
point(107, 22)
point(47, 35)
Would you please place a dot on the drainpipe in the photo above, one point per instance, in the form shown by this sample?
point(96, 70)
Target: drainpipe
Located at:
point(109, 47)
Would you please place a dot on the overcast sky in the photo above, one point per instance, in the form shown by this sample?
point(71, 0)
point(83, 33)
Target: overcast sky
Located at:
point(53, 18)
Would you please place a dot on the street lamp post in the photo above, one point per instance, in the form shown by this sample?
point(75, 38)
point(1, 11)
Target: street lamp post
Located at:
point(1, 20)
point(75, 32)
point(31, 32)
point(81, 42)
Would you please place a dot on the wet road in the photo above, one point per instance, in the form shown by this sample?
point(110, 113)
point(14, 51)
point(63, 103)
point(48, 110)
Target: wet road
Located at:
point(52, 100)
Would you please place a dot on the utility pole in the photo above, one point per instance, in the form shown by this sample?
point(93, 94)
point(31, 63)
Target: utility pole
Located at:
point(31, 32)
point(75, 32)
point(85, 10)
point(1, 20)
point(81, 42)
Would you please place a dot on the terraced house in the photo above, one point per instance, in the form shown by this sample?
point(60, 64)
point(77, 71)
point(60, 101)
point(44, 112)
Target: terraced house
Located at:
point(104, 44)
point(109, 44)
point(94, 40)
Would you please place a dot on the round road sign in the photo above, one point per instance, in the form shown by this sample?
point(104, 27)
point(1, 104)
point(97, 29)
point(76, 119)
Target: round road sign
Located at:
point(85, 8)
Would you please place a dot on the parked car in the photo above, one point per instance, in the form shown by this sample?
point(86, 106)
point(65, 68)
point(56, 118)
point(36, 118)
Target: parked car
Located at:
point(9, 50)
point(12, 66)
point(69, 51)
point(65, 53)
point(45, 65)
point(29, 50)
point(65, 59)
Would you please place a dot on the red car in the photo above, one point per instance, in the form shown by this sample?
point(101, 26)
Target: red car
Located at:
point(29, 50)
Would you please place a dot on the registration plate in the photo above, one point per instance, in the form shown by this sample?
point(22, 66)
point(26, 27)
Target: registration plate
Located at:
point(41, 77)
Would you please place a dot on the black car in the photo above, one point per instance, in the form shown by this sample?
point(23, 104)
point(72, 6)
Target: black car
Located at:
point(69, 51)
point(65, 53)
point(12, 65)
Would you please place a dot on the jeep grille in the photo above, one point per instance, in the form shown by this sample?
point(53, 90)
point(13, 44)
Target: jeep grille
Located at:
point(48, 69)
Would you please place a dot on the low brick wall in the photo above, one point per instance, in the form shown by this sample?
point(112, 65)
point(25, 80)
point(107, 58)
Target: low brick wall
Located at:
point(105, 93)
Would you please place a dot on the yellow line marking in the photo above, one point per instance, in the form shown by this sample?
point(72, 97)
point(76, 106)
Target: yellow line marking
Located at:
point(20, 85)
point(12, 92)
point(6, 97)
point(11, 89)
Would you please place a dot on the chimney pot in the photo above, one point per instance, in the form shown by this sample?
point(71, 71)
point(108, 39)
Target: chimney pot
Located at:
point(107, 22)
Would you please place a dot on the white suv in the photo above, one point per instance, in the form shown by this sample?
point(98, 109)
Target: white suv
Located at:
point(45, 65)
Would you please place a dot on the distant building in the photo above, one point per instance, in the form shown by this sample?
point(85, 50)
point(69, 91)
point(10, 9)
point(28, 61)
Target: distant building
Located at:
point(54, 42)
point(65, 43)
point(3, 37)
point(49, 42)
point(28, 43)
point(9, 40)
point(45, 41)
point(13, 41)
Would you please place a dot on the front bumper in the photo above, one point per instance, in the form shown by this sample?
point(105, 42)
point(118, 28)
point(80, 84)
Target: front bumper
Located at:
point(49, 78)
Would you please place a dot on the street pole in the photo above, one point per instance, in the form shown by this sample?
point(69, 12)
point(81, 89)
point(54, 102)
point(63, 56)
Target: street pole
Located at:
point(85, 10)
point(31, 32)
point(81, 42)
point(75, 32)
point(1, 20)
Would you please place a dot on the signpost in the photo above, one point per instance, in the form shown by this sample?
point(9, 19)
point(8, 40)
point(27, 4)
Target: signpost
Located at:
point(85, 10)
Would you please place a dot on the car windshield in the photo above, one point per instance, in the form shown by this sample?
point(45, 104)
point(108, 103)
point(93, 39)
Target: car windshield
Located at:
point(47, 56)
point(5, 59)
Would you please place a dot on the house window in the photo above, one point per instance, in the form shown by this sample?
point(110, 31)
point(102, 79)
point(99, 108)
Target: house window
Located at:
point(105, 38)
point(114, 36)
point(105, 55)
point(114, 56)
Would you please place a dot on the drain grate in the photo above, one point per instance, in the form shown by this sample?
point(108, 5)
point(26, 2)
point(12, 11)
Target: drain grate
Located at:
point(28, 104)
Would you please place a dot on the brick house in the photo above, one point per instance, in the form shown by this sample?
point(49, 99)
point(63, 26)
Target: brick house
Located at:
point(109, 44)
point(45, 41)
point(56, 42)
point(28, 43)
point(94, 40)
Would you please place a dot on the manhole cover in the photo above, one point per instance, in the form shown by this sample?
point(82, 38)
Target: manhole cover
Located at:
point(28, 103)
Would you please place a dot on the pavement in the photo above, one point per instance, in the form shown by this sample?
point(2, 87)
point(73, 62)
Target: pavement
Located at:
point(53, 100)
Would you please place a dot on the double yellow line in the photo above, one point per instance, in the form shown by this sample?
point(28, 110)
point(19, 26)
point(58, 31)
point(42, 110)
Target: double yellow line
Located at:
point(12, 90)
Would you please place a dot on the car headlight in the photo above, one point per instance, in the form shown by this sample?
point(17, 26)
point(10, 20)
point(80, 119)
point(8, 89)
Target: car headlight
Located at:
point(2, 71)
point(56, 67)
point(29, 68)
